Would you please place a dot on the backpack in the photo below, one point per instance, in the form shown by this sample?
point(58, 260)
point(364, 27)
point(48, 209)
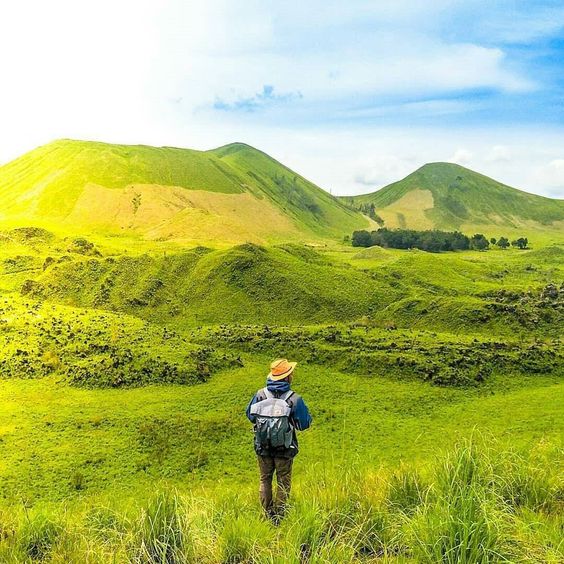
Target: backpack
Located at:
point(273, 427)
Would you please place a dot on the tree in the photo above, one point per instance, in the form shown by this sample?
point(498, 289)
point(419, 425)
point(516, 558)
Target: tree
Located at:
point(433, 241)
point(361, 239)
point(493, 240)
point(521, 243)
point(479, 242)
point(459, 241)
point(503, 243)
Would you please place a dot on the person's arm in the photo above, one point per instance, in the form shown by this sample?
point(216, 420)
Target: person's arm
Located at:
point(250, 416)
point(301, 416)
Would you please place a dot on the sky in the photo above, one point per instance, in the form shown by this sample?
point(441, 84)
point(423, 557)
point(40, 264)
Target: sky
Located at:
point(352, 94)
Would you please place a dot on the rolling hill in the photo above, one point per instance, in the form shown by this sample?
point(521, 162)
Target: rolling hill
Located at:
point(449, 196)
point(234, 194)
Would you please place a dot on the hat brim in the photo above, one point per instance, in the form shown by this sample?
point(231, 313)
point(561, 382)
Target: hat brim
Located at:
point(284, 374)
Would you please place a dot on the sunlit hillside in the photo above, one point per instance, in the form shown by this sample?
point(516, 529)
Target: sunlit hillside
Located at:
point(231, 194)
point(449, 196)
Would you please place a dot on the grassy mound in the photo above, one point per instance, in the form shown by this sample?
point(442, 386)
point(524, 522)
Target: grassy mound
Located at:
point(293, 284)
point(376, 253)
point(442, 360)
point(245, 283)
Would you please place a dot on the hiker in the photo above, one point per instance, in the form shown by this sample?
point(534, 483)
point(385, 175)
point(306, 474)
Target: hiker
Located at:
point(277, 412)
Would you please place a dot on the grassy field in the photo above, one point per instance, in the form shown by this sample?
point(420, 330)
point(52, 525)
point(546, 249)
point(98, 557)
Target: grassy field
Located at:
point(494, 292)
point(397, 413)
point(126, 439)
point(81, 468)
point(434, 380)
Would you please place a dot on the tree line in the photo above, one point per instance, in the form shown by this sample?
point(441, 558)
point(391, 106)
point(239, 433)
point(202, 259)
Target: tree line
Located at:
point(433, 240)
point(366, 209)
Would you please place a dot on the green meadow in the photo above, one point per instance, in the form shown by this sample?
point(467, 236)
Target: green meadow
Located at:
point(126, 376)
point(143, 294)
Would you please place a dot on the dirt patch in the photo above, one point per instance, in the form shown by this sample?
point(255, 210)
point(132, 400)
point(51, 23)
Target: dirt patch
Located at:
point(171, 212)
point(413, 206)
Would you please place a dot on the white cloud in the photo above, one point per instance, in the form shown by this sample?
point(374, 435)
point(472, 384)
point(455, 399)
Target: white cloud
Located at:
point(552, 176)
point(499, 153)
point(375, 172)
point(337, 160)
point(139, 71)
point(461, 157)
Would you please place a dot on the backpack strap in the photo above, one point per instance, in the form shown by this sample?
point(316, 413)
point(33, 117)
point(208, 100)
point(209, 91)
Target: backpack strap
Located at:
point(265, 393)
point(287, 395)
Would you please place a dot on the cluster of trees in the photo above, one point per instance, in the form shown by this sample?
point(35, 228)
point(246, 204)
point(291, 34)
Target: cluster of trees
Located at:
point(433, 241)
point(366, 209)
point(503, 242)
point(370, 211)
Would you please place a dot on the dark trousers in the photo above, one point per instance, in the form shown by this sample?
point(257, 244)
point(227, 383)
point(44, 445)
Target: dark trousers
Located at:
point(283, 468)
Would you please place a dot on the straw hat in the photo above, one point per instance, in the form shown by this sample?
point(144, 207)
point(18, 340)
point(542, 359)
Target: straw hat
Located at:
point(280, 368)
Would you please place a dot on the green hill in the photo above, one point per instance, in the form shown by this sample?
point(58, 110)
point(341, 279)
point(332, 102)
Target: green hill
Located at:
point(245, 283)
point(449, 196)
point(291, 284)
point(233, 194)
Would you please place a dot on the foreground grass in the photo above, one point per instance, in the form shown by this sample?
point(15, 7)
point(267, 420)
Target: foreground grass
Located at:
point(472, 504)
point(79, 442)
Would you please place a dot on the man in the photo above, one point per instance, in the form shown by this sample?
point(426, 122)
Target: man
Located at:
point(276, 413)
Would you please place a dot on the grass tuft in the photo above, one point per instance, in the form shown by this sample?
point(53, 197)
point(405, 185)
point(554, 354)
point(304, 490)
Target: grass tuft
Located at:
point(160, 535)
point(38, 536)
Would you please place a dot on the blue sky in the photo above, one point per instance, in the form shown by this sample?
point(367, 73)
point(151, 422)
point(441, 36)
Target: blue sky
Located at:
point(353, 94)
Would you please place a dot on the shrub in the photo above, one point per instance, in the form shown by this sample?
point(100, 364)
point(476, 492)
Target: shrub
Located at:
point(458, 527)
point(243, 538)
point(51, 360)
point(457, 530)
point(104, 523)
point(520, 484)
point(77, 481)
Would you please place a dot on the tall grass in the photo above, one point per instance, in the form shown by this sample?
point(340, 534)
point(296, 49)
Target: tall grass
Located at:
point(160, 535)
point(476, 504)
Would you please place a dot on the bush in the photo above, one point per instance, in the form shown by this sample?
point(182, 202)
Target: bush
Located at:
point(243, 539)
point(104, 523)
point(479, 242)
point(457, 528)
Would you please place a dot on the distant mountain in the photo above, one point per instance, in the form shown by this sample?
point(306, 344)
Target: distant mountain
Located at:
point(449, 196)
point(234, 193)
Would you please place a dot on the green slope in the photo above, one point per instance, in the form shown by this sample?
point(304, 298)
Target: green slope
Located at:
point(246, 283)
point(498, 292)
point(298, 197)
point(235, 193)
point(449, 196)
